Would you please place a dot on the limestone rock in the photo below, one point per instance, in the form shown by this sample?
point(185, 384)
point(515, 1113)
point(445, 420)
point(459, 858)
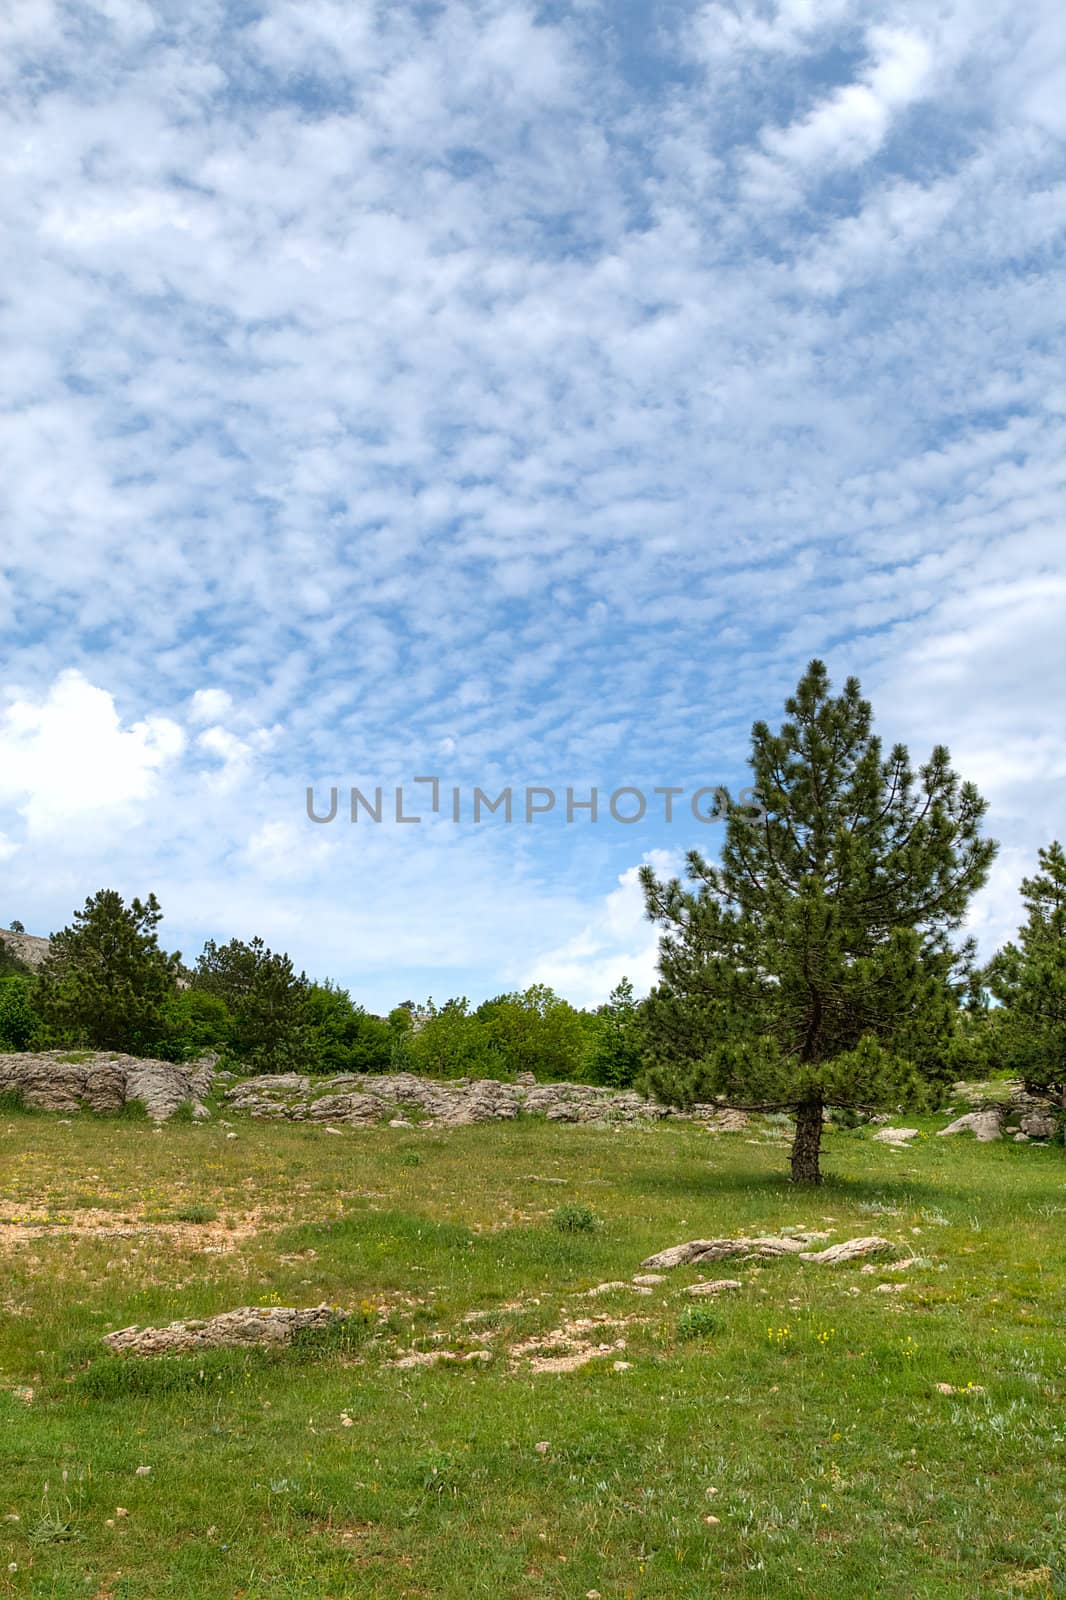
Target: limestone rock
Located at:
point(362, 1100)
point(715, 1286)
point(848, 1250)
point(895, 1135)
point(27, 947)
point(247, 1325)
point(697, 1251)
point(1037, 1124)
point(984, 1125)
point(104, 1081)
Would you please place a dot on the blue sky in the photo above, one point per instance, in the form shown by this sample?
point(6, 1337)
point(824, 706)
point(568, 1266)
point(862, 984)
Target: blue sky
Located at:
point(520, 395)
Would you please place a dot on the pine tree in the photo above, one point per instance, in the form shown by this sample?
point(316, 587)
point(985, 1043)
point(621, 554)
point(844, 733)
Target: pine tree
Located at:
point(106, 980)
point(813, 967)
point(1029, 980)
point(615, 1056)
point(267, 999)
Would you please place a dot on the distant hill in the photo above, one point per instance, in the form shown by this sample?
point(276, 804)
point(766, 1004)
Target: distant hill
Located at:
point(26, 946)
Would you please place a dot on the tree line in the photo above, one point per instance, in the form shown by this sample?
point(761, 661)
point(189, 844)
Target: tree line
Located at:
point(816, 967)
point(108, 984)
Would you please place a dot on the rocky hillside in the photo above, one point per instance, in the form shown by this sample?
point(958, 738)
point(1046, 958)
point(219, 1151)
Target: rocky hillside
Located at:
point(26, 946)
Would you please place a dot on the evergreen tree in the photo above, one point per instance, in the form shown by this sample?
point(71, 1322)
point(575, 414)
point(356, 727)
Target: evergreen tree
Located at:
point(813, 967)
point(616, 1052)
point(267, 1000)
point(1029, 980)
point(106, 980)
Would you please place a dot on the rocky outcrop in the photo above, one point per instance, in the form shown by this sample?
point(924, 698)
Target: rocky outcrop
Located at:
point(360, 1101)
point(698, 1251)
point(273, 1325)
point(102, 1081)
point(984, 1125)
point(1007, 1095)
point(1037, 1124)
point(26, 947)
point(848, 1250)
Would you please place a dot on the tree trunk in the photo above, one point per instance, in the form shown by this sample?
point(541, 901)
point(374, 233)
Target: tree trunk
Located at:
point(807, 1143)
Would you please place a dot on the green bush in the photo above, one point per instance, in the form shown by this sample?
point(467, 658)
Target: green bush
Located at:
point(697, 1322)
point(342, 1037)
point(574, 1218)
point(193, 1021)
point(19, 1021)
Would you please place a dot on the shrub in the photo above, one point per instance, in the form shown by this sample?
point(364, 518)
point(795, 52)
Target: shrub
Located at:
point(697, 1322)
point(19, 1020)
point(193, 1021)
point(573, 1218)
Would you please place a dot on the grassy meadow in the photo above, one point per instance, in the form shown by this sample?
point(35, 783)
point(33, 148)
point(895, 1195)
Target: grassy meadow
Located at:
point(795, 1438)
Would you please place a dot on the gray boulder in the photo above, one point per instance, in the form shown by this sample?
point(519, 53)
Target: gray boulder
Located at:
point(984, 1125)
point(103, 1081)
point(248, 1325)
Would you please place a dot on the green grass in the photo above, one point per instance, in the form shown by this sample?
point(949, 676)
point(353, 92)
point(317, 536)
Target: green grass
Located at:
point(802, 1412)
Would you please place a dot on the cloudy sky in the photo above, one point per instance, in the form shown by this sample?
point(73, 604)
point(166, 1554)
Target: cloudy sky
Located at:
point(520, 395)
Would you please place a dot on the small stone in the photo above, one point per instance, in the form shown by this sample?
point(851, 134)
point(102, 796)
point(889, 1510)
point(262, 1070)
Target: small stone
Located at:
point(716, 1286)
point(712, 1522)
point(621, 1366)
point(542, 1448)
point(142, 1472)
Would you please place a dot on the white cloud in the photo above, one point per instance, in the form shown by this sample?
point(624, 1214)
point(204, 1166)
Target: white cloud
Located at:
point(66, 755)
point(210, 705)
point(850, 125)
point(617, 942)
point(719, 31)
